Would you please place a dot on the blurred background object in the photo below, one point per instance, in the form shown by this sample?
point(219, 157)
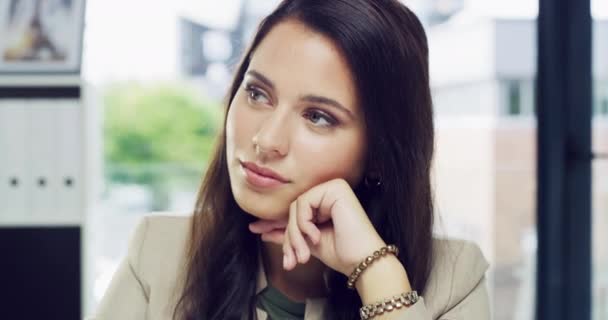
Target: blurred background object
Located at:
point(41, 35)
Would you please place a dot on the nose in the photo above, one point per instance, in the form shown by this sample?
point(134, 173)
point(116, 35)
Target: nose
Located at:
point(272, 138)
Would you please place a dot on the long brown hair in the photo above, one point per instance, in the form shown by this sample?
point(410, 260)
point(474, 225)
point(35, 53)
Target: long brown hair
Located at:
point(386, 49)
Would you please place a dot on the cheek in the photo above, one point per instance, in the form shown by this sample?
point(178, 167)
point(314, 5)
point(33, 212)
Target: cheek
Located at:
point(238, 127)
point(230, 127)
point(331, 159)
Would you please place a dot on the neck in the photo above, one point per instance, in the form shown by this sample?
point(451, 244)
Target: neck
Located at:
point(304, 281)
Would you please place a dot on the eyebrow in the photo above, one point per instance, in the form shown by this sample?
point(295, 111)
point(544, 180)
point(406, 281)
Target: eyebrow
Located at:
point(309, 97)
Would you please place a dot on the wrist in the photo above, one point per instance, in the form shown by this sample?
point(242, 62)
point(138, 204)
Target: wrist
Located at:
point(386, 277)
point(371, 247)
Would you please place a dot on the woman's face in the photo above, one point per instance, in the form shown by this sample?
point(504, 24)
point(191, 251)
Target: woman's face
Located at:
point(294, 123)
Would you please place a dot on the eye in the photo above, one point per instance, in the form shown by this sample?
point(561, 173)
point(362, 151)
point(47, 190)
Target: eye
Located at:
point(256, 95)
point(320, 119)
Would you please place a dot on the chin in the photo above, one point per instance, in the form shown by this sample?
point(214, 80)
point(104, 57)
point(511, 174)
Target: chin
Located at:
point(266, 206)
point(266, 209)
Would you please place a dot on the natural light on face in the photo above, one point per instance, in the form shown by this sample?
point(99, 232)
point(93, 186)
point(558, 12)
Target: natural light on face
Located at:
point(295, 113)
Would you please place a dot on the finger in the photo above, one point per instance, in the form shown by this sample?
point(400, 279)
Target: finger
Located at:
point(314, 249)
point(329, 196)
point(295, 235)
point(322, 197)
point(289, 260)
point(305, 219)
point(276, 236)
point(260, 226)
point(325, 231)
point(263, 226)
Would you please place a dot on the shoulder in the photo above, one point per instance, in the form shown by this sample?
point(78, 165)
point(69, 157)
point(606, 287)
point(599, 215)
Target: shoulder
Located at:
point(159, 234)
point(162, 231)
point(158, 246)
point(458, 267)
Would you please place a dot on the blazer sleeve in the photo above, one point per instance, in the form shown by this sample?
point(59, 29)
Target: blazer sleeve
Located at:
point(475, 306)
point(468, 297)
point(127, 294)
point(466, 290)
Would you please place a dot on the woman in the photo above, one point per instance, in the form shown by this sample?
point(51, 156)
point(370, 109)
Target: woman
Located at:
point(325, 158)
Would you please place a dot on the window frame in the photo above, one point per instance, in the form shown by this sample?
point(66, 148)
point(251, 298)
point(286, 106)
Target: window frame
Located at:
point(564, 104)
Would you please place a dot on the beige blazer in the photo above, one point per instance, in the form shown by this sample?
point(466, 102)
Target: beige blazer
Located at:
point(147, 282)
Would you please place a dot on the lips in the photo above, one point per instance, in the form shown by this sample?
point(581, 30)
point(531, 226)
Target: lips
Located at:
point(265, 172)
point(262, 177)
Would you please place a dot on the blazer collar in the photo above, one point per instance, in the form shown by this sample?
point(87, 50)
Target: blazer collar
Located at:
point(315, 308)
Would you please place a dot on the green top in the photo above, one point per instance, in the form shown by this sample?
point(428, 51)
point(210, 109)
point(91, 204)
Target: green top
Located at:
point(279, 306)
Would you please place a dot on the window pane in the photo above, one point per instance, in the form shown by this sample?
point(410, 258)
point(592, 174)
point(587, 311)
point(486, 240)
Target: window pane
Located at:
point(483, 73)
point(514, 98)
point(157, 123)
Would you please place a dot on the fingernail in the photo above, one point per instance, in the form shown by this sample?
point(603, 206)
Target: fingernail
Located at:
point(284, 261)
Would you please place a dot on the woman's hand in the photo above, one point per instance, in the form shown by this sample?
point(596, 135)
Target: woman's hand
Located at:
point(327, 222)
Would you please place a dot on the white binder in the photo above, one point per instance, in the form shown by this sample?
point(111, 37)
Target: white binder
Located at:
point(69, 162)
point(13, 161)
point(42, 151)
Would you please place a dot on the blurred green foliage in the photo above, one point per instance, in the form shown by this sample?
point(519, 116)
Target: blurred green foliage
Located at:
point(160, 136)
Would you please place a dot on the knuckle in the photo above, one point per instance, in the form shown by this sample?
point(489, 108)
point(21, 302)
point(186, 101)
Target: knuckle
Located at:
point(300, 200)
point(341, 182)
